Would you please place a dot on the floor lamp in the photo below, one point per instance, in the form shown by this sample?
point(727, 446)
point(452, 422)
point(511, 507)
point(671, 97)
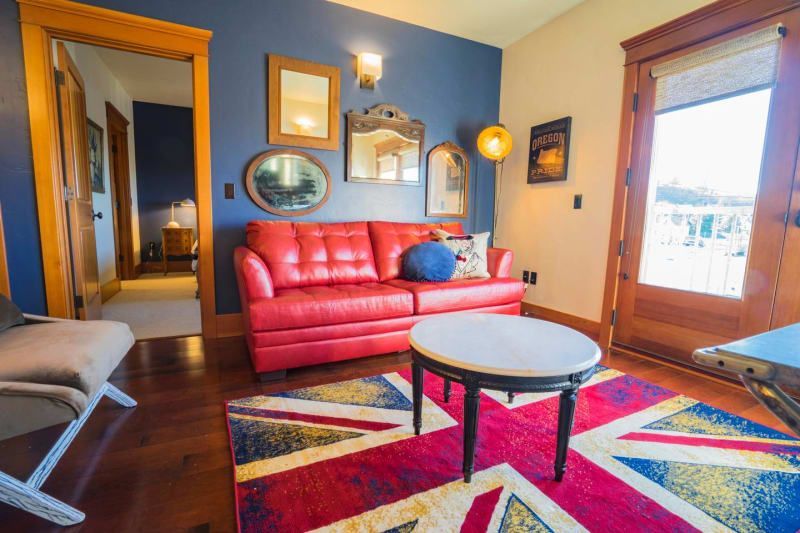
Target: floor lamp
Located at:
point(494, 143)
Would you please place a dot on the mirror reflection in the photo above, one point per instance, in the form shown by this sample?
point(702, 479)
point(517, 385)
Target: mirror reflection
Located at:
point(288, 182)
point(304, 104)
point(385, 155)
point(448, 171)
point(384, 146)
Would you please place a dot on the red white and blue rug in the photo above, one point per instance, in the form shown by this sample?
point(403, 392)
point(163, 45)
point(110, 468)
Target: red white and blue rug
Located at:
point(343, 457)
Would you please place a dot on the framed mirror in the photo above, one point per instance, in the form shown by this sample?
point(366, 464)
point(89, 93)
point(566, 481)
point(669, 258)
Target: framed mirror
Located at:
point(384, 146)
point(289, 183)
point(448, 181)
point(303, 103)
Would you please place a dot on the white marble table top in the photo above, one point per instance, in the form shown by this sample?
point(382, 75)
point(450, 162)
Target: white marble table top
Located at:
point(504, 345)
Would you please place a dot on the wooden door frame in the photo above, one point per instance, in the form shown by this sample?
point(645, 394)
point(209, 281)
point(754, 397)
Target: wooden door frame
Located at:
point(695, 27)
point(41, 21)
point(120, 189)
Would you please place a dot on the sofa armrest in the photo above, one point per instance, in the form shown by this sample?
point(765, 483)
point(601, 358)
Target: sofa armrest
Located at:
point(252, 275)
point(499, 262)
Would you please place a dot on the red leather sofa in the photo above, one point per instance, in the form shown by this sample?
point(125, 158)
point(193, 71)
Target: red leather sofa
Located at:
point(313, 292)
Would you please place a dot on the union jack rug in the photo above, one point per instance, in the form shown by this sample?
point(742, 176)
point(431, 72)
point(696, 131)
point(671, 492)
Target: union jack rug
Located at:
point(343, 457)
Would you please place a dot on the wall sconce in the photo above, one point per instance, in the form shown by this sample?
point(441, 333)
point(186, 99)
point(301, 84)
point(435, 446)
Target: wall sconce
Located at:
point(369, 68)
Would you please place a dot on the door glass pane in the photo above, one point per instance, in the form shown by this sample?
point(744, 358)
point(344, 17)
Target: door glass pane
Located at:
point(704, 175)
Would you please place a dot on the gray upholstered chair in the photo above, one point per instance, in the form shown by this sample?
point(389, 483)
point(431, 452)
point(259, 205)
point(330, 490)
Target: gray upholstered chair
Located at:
point(54, 371)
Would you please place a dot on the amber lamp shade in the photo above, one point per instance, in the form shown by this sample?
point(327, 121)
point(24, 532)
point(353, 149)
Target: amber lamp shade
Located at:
point(494, 143)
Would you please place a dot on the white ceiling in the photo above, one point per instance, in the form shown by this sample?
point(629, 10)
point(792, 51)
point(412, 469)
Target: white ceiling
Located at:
point(495, 22)
point(150, 79)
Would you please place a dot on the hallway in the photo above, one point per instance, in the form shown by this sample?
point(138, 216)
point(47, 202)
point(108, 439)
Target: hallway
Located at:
point(156, 306)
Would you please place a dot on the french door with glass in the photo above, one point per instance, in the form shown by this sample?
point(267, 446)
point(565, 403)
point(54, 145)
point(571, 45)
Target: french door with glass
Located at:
point(715, 140)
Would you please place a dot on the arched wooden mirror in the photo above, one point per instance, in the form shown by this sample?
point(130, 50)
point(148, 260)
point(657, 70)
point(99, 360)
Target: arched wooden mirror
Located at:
point(448, 181)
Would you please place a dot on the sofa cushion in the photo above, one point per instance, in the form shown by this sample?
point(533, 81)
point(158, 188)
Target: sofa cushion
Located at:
point(458, 295)
point(391, 239)
point(69, 353)
point(307, 254)
point(338, 304)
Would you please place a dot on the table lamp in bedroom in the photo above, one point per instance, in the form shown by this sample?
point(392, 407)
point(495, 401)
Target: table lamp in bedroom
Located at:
point(186, 202)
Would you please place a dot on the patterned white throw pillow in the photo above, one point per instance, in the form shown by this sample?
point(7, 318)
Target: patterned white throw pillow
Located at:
point(470, 253)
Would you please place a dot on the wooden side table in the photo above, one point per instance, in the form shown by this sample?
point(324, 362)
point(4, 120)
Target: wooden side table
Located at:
point(175, 241)
point(505, 353)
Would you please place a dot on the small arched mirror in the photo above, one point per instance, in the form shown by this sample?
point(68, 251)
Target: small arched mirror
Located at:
point(288, 182)
point(448, 181)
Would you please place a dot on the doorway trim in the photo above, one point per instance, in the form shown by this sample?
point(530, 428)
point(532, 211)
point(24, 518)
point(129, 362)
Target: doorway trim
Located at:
point(44, 20)
point(120, 193)
point(695, 27)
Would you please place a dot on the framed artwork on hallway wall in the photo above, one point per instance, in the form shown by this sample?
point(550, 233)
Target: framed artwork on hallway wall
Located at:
point(95, 144)
point(548, 156)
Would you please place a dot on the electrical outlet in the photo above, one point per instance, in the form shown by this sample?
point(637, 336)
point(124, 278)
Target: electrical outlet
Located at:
point(526, 276)
point(230, 191)
point(577, 202)
point(533, 278)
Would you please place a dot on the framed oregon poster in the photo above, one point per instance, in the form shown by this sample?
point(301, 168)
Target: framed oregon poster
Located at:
point(549, 151)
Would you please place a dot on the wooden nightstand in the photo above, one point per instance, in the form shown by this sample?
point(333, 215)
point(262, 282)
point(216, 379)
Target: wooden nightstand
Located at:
point(175, 241)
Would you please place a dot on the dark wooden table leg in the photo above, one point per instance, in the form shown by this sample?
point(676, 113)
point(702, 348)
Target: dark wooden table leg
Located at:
point(566, 414)
point(472, 400)
point(510, 397)
point(416, 387)
point(446, 390)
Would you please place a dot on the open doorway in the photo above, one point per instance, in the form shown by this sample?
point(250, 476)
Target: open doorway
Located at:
point(130, 178)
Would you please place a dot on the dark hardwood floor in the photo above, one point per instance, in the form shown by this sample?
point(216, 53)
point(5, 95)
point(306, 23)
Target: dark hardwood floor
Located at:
point(166, 465)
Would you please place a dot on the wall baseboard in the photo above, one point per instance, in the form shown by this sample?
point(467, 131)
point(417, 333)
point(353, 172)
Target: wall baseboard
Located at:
point(230, 325)
point(109, 289)
point(584, 325)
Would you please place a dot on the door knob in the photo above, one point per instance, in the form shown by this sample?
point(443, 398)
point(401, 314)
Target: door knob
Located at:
point(97, 215)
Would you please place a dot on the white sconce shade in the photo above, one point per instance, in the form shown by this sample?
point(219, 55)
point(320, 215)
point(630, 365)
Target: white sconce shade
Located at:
point(370, 69)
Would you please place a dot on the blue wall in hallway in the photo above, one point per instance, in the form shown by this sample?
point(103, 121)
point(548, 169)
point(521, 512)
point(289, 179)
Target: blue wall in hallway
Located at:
point(449, 83)
point(164, 167)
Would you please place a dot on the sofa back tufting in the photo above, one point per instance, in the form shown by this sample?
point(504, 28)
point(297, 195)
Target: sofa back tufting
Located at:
point(306, 254)
point(391, 239)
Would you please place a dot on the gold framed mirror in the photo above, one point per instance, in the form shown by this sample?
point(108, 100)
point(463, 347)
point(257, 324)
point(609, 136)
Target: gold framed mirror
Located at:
point(303, 103)
point(384, 146)
point(447, 181)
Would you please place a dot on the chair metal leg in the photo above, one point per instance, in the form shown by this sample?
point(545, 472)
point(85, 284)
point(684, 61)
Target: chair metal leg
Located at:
point(27, 496)
point(22, 496)
point(118, 396)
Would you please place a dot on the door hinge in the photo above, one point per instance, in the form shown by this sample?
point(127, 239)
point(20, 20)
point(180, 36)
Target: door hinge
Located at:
point(621, 248)
point(628, 174)
point(60, 78)
point(613, 317)
point(78, 302)
point(635, 102)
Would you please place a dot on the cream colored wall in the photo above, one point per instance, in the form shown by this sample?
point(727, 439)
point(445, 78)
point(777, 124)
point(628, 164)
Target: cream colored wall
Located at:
point(572, 66)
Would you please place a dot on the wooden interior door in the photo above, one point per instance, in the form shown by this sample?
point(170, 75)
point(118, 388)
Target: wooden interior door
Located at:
point(121, 202)
point(675, 315)
point(74, 134)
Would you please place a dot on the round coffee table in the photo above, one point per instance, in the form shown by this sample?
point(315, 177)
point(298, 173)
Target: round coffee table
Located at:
point(506, 353)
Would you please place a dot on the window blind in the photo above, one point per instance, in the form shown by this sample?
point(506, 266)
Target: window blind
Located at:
point(739, 65)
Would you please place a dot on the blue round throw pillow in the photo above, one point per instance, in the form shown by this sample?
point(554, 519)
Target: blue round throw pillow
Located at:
point(428, 261)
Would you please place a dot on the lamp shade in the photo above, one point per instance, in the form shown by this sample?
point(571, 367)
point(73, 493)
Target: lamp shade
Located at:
point(494, 143)
point(187, 202)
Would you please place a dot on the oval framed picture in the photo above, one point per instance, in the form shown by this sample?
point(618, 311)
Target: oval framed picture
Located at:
point(288, 183)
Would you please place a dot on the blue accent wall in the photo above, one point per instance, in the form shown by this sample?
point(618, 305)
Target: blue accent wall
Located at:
point(164, 167)
point(17, 193)
point(451, 84)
